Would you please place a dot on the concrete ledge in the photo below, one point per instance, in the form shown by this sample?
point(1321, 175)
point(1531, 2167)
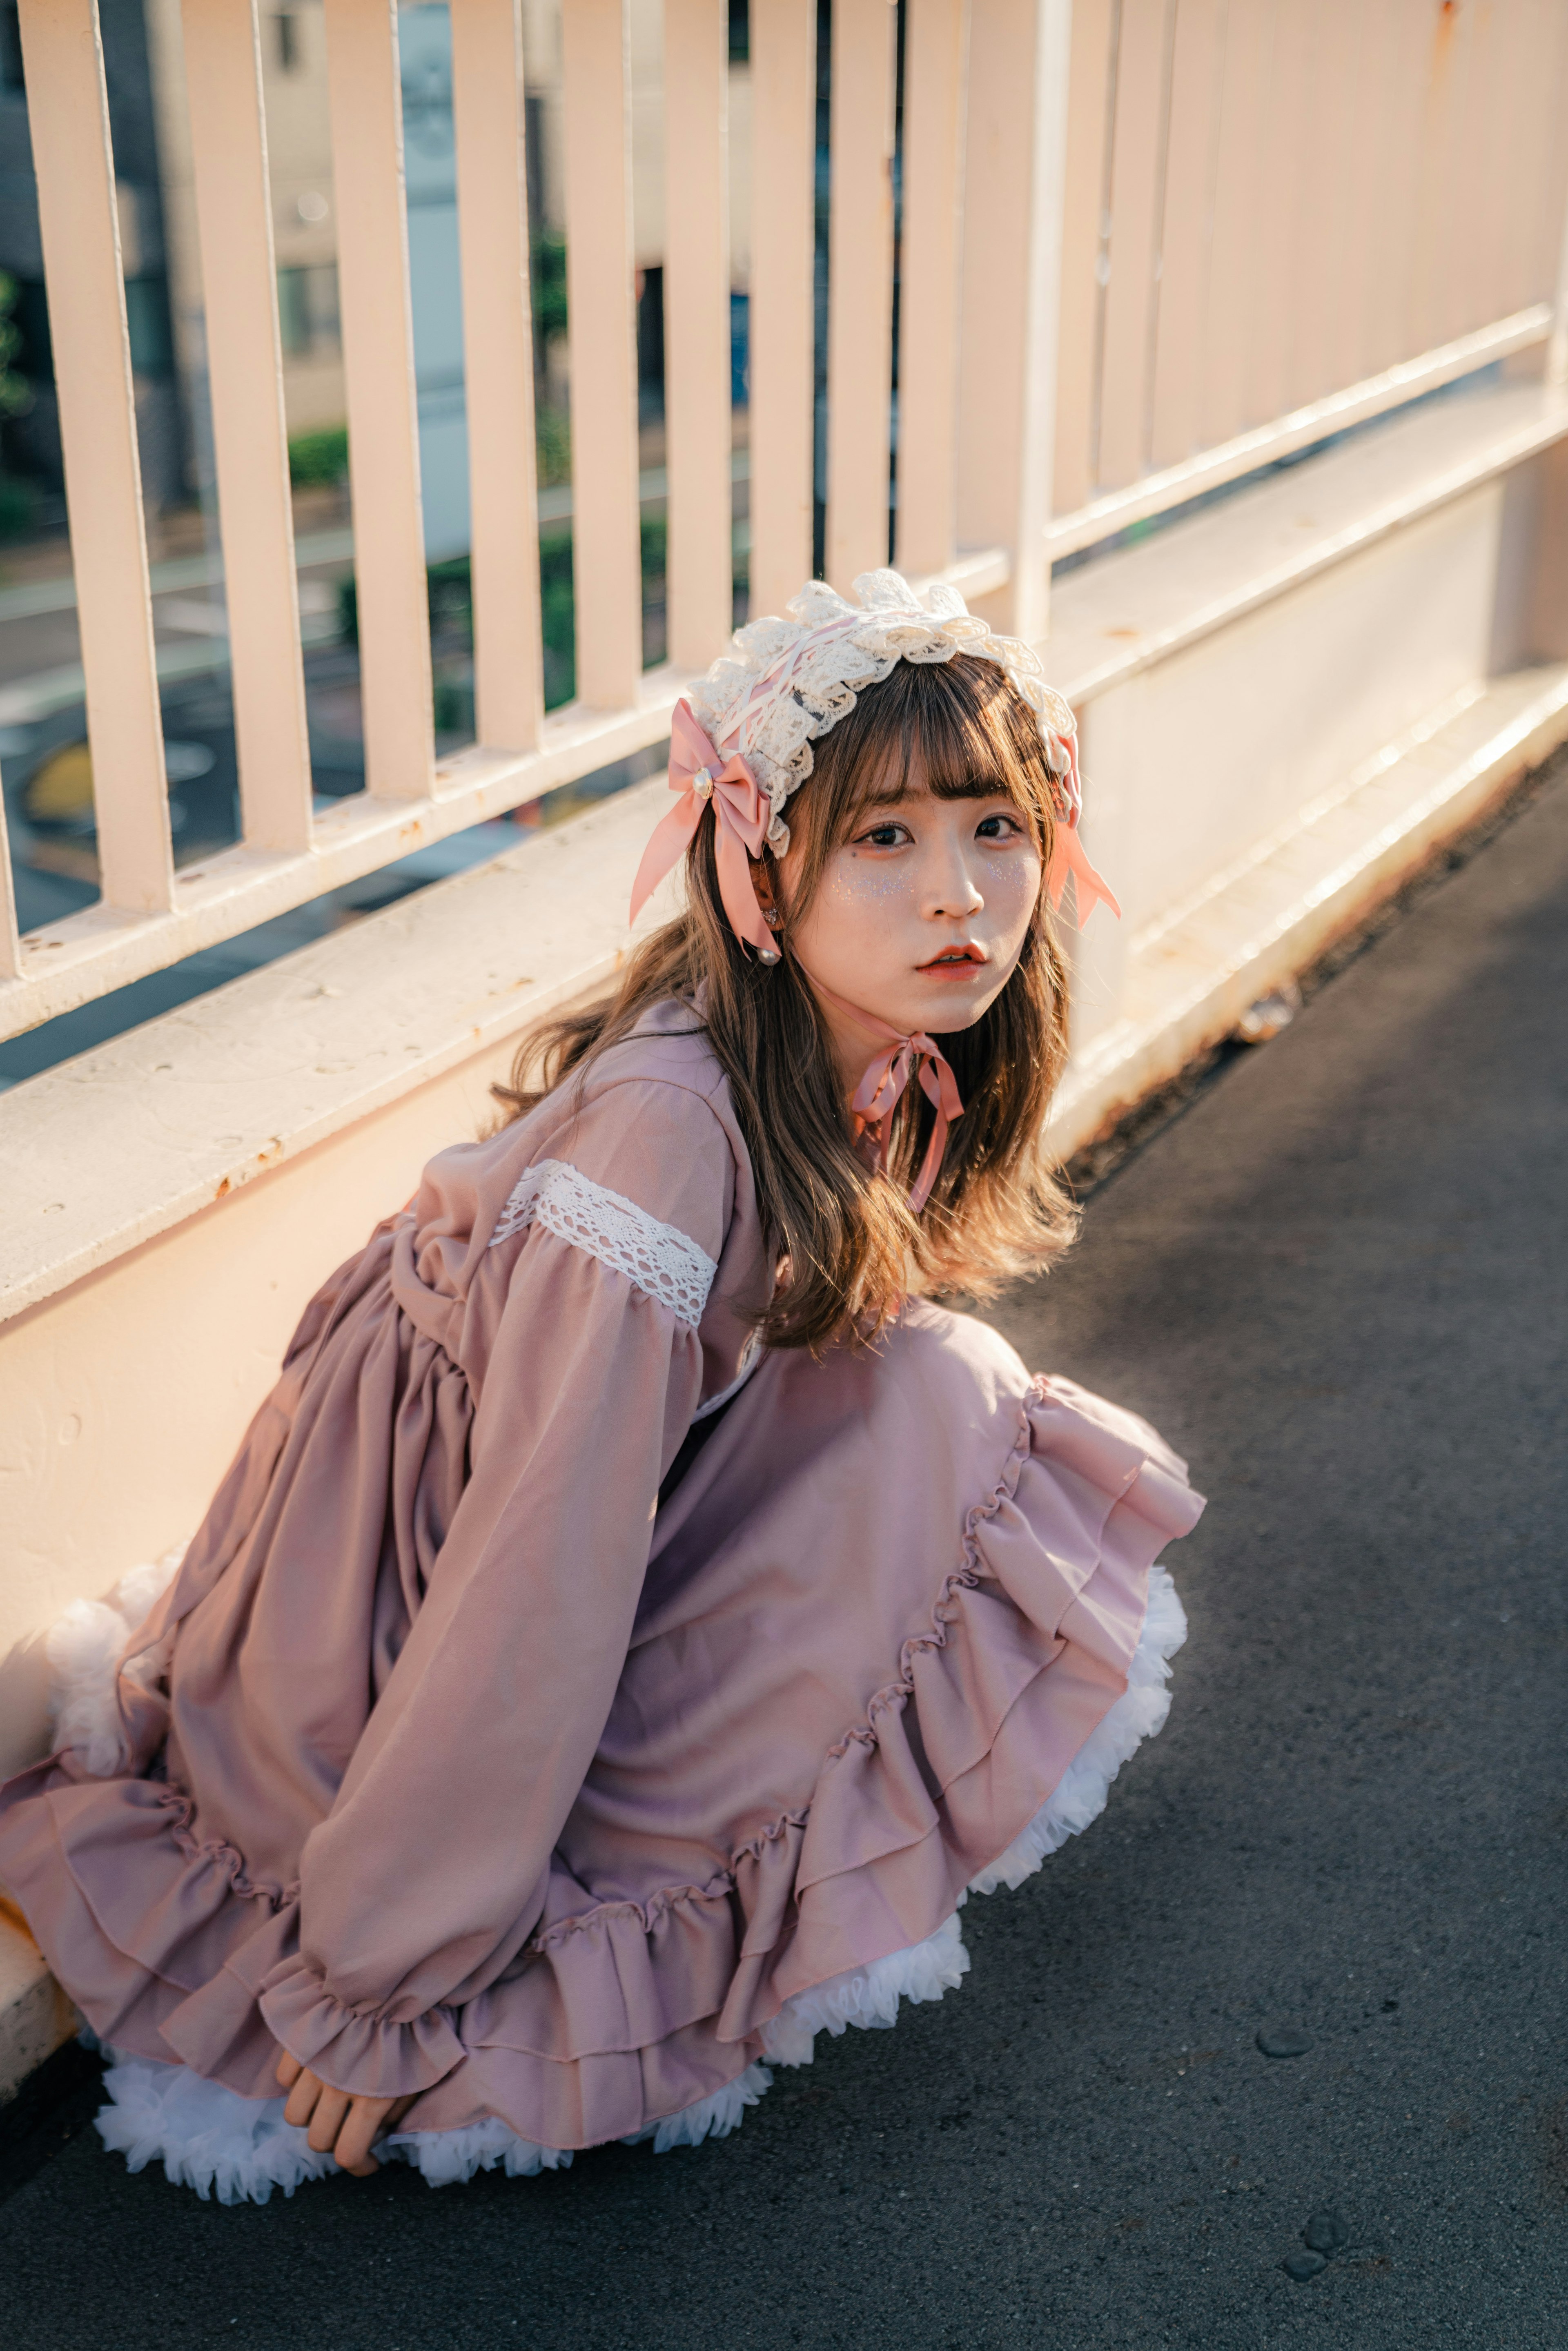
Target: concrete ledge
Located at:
point(109, 1150)
point(35, 2017)
point(1264, 918)
point(1125, 612)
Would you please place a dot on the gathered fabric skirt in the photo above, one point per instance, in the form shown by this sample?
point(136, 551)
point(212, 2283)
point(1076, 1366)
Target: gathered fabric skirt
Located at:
point(901, 1625)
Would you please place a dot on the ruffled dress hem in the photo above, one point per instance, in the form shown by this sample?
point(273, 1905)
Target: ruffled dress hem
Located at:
point(240, 2149)
point(1041, 1668)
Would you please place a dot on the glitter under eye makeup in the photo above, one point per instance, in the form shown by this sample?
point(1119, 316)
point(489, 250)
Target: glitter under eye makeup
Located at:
point(851, 878)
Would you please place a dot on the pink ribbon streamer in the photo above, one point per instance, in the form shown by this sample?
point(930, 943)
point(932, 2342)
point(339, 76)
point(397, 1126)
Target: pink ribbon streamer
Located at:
point(1067, 850)
point(887, 1073)
point(741, 817)
point(1067, 857)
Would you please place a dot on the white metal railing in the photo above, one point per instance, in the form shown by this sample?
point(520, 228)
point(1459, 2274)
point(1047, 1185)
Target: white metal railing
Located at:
point(1146, 245)
point(1280, 221)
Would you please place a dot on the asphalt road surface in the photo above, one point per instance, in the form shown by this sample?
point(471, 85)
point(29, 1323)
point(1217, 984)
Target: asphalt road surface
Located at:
point(1339, 1282)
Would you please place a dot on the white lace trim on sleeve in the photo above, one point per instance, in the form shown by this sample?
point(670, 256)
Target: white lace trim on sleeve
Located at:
point(658, 1259)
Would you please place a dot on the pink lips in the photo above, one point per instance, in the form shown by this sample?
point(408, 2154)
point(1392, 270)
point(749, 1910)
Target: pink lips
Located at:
point(958, 963)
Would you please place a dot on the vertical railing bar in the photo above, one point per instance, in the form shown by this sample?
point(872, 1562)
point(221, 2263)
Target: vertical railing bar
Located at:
point(1103, 264)
point(1135, 205)
point(1432, 254)
point(934, 38)
point(497, 341)
point(1507, 267)
point(10, 937)
point(1030, 589)
point(780, 320)
point(1344, 146)
point(1157, 240)
point(1020, 59)
point(1185, 231)
point(1467, 194)
point(79, 220)
point(1210, 210)
point(1398, 134)
point(1556, 364)
point(1557, 348)
point(365, 102)
point(1263, 218)
point(1364, 297)
point(245, 366)
point(1083, 169)
point(699, 583)
point(1556, 80)
point(860, 289)
point(607, 572)
point(1287, 293)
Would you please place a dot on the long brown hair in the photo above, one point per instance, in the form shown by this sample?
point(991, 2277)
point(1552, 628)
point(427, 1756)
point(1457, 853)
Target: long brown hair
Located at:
point(996, 1210)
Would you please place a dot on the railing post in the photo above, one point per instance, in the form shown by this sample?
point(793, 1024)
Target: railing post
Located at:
point(1557, 348)
point(783, 168)
point(607, 573)
point(68, 115)
point(244, 367)
point(366, 102)
point(497, 340)
point(934, 45)
point(699, 581)
point(1016, 147)
point(860, 289)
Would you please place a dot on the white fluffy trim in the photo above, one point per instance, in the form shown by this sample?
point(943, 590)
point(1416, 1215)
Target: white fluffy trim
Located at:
point(84, 1648)
point(240, 2149)
point(1078, 1796)
point(711, 2117)
point(867, 1996)
point(206, 2137)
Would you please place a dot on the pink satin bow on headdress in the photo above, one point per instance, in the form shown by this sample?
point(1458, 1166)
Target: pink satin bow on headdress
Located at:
point(1067, 852)
point(887, 1073)
point(741, 817)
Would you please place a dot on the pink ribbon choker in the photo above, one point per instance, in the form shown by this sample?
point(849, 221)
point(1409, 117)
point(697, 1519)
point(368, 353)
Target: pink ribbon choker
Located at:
point(887, 1073)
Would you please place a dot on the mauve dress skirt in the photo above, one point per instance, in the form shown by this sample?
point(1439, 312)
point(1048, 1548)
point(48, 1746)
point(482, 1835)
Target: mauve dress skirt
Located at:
point(897, 1634)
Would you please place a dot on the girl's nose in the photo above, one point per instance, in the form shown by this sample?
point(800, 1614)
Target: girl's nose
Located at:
point(955, 893)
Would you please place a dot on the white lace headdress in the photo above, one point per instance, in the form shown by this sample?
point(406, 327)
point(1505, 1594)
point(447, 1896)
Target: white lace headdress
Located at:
point(792, 679)
point(741, 736)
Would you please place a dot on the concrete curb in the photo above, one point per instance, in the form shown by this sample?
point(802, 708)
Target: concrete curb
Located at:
point(35, 2017)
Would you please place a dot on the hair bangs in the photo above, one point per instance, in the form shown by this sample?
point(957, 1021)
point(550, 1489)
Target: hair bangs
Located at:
point(955, 728)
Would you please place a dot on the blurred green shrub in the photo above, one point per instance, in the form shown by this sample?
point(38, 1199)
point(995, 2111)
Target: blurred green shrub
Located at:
point(319, 460)
point(549, 284)
point(19, 498)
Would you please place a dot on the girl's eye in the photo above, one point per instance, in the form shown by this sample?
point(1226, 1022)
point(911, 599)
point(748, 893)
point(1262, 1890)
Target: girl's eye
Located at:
point(886, 836)
point(997, 828)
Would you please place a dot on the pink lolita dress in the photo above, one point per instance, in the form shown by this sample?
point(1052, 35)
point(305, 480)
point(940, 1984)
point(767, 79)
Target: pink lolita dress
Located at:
point(565, 1711)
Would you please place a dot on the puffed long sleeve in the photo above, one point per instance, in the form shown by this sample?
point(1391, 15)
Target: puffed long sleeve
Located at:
point(428, 1874)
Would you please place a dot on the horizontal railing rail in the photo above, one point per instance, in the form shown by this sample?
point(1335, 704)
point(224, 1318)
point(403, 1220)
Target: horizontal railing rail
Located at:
point(1337, 412)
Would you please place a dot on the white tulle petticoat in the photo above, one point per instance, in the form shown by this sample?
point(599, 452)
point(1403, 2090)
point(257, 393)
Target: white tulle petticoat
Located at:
point(211, 2138)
